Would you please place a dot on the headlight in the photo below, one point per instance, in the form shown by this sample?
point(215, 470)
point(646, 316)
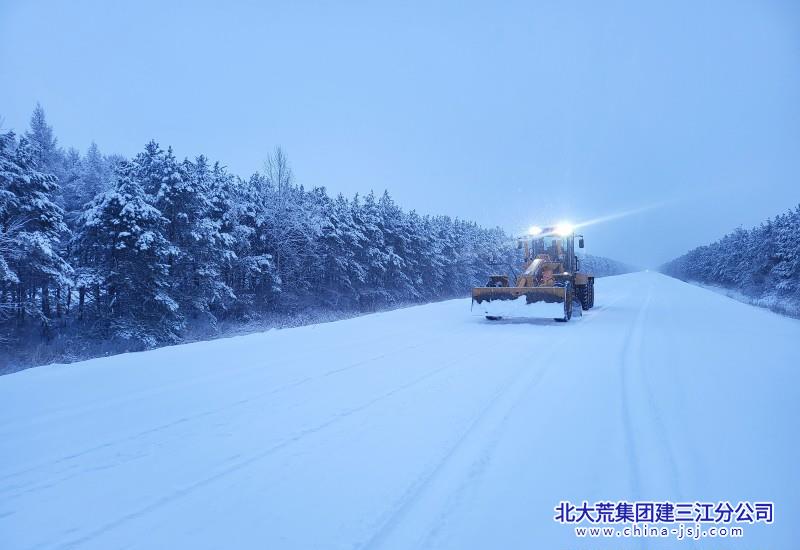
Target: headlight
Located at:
point(564, 229)
point(534, 230)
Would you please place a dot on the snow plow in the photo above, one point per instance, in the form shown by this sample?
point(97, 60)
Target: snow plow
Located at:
point(551, 283)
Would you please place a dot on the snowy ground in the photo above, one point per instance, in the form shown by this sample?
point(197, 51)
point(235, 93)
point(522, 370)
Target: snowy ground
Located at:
point(769, 300)
point(417, 428)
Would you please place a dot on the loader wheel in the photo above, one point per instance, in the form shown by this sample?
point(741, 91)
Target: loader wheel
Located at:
point(583, 296)
point(493, 317)
point(590, 291)
point(567, 310)
point(577, 308)
point(567, 307)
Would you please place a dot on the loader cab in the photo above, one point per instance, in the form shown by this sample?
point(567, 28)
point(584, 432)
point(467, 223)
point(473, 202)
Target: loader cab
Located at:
point(553, 246)
point(557, 247)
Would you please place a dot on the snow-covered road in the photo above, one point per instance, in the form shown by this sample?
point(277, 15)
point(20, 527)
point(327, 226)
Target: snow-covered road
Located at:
point(418, 428)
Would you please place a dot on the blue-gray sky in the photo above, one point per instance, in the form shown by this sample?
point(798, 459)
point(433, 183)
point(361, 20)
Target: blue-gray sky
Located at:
point(508, 114)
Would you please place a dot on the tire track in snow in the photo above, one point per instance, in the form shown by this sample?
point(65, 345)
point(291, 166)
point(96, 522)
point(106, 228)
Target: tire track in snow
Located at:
point(660, 430)
point(628, 355)
point(634, 368)
point(690, 446)
point(633, 364)
point(482, 455)
point(629, 359)
point(663, 435)
point(226, 374)
point(249, 461)
point(416, 489)
point(198, 416)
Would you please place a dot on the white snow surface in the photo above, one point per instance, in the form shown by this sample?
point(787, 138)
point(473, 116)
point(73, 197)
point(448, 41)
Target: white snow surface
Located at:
point(417, 428)
point(519, 309)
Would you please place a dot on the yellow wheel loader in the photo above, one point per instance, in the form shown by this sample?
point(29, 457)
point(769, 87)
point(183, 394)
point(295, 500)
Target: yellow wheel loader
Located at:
point(551, 283)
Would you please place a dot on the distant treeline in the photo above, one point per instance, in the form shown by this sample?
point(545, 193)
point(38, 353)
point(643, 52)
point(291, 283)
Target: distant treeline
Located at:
point(603, 267)
point(762, 263)
point(135, 252)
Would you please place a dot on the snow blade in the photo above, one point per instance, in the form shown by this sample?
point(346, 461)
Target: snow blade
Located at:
point(516, 302)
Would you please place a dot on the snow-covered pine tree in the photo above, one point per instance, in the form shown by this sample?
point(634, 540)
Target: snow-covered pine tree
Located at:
point(786, 272)
point(9, 171)
point(418, 258)
point(122, 238)
point(47, 155)
point(85, 177)
point(147, 168)
point(398, 240)
point(195, 227)
point(70, 184)
point(373, 256)
point(221, 194)
point(250, 270)
point(35, 255)
point(336, 252)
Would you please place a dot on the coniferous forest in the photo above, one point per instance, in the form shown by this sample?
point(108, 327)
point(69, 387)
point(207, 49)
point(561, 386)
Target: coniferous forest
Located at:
point(101, 254)
point(762, 263)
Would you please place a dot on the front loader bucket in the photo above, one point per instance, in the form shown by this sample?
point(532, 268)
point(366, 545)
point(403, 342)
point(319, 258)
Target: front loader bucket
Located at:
point(516, 302)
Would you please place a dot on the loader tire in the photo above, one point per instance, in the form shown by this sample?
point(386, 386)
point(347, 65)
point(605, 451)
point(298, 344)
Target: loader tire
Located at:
point(567, 307)
point(577, 308)
point(567, 310)
point(590, 289)
point(583, 296)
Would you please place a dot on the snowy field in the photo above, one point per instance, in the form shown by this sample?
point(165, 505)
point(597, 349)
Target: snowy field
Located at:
point(419, 428)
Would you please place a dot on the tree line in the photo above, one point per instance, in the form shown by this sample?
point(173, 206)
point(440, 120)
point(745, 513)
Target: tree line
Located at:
point(763, 262)
point(136, 250)
point(600, 266)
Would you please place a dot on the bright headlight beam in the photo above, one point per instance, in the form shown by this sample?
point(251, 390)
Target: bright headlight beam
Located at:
point(564, 229)
point(534, 230)
point(626, 213)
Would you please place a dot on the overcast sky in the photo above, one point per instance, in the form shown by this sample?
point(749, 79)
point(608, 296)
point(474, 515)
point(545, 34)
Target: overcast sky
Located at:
point(686, 115)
